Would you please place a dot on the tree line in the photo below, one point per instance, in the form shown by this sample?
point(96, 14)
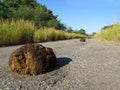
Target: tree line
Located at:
point(33, 11)
point(29, 10)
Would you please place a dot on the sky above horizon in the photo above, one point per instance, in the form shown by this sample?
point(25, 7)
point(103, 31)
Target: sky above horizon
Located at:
point(90, 15)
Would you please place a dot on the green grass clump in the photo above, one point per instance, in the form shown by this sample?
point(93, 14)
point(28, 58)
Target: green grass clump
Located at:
point(16, 32)
point(110, 34)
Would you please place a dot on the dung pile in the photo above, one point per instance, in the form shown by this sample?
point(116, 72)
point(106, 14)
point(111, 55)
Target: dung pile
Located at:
point(32, 59)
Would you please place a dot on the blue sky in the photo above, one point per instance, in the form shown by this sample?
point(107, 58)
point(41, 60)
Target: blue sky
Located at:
point(90, 15)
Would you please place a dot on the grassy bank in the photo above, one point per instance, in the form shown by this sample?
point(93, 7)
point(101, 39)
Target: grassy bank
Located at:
point(110, 34)
point(50, 34)
point(21, 31)
point(16, 32)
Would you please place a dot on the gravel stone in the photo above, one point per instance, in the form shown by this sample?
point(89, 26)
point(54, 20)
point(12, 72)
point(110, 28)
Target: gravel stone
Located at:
point(90, 65)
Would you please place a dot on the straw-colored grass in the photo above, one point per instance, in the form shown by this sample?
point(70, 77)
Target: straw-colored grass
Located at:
point(51, 34)
point(110, 34)
point(16, 32)
point(21, 31)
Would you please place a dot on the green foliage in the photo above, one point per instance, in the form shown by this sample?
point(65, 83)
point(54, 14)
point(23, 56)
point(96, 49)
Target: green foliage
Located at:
point(29, 10)
point(61, 26)
point(107, 27)
point(69, 29)
point(94, 33)
point(24, 12)
point(82, 31)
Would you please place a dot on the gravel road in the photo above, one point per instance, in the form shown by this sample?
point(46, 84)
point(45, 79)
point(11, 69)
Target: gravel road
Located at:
point(90, 65)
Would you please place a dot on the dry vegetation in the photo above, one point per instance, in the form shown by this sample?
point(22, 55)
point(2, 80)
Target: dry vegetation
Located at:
point(110, 34)
point(21, 31)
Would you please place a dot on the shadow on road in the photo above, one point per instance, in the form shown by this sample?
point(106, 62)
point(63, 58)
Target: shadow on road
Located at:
point(62, 61)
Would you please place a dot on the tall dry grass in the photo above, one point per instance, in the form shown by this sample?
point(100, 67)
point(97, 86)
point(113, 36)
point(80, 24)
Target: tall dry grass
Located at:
point(16, 32)
point(51, 34)
point(21, 31)
point(110, 34)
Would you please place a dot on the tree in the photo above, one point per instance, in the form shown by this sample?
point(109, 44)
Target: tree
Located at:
point(29, 10)
point(93, 33)
point(24, 12)
point(61, 26)
point(1, 9)
point(69, 29)
point(82, 31)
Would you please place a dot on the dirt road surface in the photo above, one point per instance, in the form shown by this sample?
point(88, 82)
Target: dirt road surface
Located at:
point(90, 65)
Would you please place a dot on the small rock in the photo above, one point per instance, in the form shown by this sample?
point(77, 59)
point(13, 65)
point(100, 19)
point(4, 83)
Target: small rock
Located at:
point(82, 39)
point(19, 87)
